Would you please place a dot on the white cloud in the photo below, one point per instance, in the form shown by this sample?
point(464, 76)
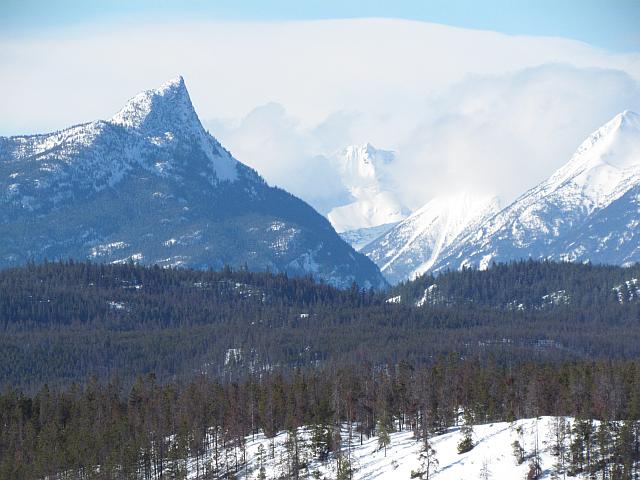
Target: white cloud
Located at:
point(503, 134)
point(286, 154)
point(497, 134)
point(462, 108)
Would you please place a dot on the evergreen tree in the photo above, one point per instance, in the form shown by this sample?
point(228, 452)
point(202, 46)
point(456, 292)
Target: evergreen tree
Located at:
point(344, 471)
point(428, 462)
point(384, 428)
point(466, 442)
point(558, 446)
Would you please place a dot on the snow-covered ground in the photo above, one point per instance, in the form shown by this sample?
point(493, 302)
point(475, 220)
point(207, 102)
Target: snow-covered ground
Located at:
point(493, 448)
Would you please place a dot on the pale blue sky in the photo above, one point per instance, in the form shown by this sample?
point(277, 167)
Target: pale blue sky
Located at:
point(610, 24)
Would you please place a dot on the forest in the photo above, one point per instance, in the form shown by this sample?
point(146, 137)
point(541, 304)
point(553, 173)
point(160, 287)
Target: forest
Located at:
point(64, 322)
point(124, 371)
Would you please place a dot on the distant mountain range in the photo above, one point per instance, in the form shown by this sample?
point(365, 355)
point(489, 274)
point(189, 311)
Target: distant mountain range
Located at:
point(150, 185)
point(588, 210)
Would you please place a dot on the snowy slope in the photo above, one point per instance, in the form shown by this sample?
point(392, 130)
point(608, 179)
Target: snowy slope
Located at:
point(493, 448)
point(587, 210)
point(362, 237)
point(151, 185)
point(414, 245)
point(363, 172)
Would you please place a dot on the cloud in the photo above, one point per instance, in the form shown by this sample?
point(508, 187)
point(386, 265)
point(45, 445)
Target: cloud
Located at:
point(504, 134)
point(275, 144)
point(462, 108)
point(495, 134)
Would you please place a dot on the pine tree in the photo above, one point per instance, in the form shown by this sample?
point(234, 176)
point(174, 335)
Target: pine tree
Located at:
point(580, 447)
point(604, 438)
point(518, 452)
point(384, 438)
point(535, 462)
point(321, 440)
point(429, 464)
point(466, 442)
point(535, 469)
point(345, 470)
point(558, 446)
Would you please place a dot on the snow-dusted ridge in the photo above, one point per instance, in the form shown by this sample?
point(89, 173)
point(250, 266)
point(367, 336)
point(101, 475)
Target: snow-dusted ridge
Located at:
point(586, 211)
point(96, 155)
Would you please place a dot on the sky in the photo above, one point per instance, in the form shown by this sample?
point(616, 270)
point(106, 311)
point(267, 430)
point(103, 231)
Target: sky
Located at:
point(611, 24)
point(476, 96)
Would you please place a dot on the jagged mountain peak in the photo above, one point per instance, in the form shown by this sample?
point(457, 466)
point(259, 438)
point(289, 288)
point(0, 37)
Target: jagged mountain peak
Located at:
point(365, 154)
point(605, 164)
point(166, 114)
point(164, 109)
point(628, 118)
point(361, 166)
point(624, 123)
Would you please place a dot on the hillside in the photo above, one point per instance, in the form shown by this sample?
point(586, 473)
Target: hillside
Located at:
point(585, 211)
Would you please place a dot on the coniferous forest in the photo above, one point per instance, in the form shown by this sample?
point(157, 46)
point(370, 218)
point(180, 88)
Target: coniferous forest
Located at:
point(123, 371)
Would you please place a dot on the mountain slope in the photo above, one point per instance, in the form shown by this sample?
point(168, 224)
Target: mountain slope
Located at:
point(362, 237)
point(413, 246)
point(151, 185)
point(588, 210)
point(362, 169)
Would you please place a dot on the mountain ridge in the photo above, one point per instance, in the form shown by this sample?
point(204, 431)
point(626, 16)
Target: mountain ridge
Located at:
point(586, 210)
point(547, 220)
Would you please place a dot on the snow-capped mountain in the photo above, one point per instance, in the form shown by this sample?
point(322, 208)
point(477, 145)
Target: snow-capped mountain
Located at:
point(414, 245)
point(363, 170)
point(151, 185)
point(588, 210)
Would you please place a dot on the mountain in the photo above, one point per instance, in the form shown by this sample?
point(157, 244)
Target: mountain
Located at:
point(362, 237)
point(413, 246)
point(588, 210)
point(363, 171)
point(151, 185)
